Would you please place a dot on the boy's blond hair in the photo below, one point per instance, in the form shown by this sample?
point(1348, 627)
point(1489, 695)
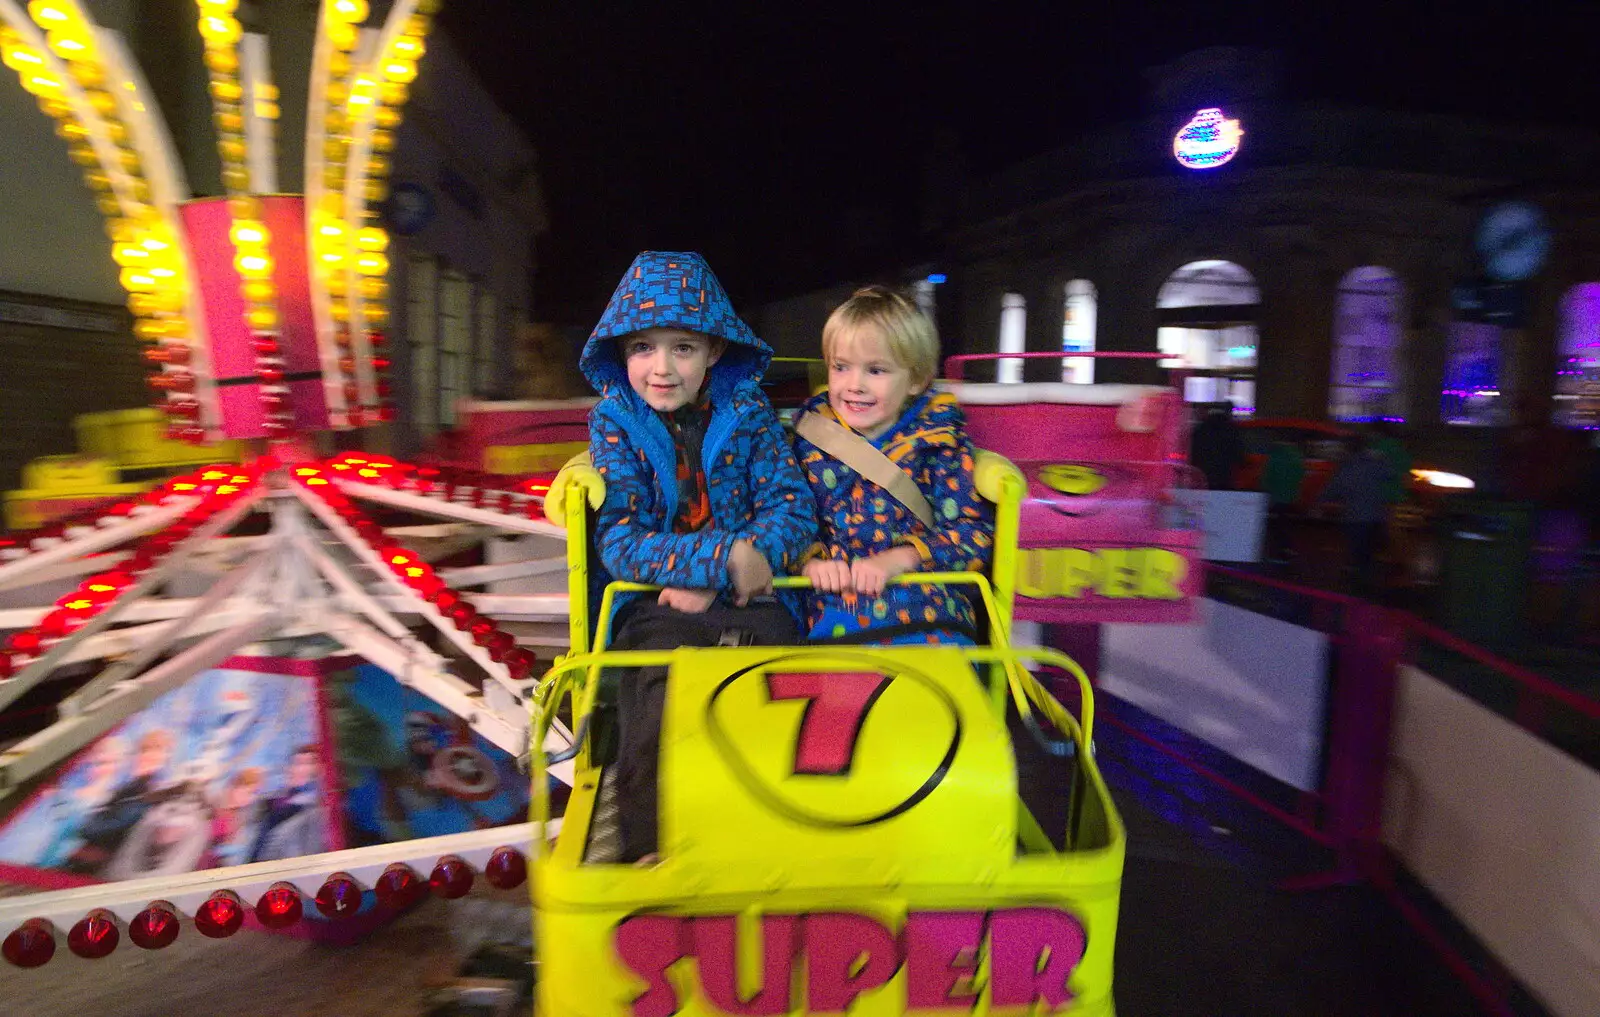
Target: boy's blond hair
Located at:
point(906, 331)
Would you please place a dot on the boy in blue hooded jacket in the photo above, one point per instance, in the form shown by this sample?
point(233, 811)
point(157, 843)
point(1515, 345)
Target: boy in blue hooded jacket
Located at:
point(703, 494)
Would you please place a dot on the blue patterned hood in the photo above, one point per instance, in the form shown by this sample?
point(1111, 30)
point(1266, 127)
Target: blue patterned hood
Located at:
point(672, 289)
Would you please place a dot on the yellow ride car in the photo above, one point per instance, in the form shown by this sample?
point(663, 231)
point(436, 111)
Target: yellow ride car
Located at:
point(841, 827)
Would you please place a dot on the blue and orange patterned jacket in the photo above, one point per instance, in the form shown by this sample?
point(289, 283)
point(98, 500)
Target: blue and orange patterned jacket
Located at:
point(755, 487)
point(860, 519)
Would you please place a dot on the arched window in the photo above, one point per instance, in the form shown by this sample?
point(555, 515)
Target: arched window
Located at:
point(1013, 336)
point(1578, 362)
point(1367, 333)
point(1077, 331)
point(1208, 313)
point(1474, 367)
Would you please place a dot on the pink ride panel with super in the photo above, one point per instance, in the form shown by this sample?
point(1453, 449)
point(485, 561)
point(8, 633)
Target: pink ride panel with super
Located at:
point(1100, 537)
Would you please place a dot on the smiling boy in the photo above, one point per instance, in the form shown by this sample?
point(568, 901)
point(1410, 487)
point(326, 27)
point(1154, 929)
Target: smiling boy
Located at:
point(703, 494)
point(881, 353)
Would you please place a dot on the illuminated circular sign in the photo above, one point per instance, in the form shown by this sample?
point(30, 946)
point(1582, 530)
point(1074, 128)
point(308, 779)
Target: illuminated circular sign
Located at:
point(1072, 478)
point(1207, 141)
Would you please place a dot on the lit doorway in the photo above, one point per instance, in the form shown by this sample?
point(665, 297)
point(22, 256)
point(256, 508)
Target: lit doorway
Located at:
point(1207, 312)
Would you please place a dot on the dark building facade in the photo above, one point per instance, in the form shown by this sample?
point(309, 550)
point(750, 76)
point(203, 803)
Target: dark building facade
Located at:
point(1321, 261)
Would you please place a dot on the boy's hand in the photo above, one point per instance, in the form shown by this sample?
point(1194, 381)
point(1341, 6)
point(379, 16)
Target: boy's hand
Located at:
point(828, 575)
point(687, 601)
point(871, 575)
point(749, 571)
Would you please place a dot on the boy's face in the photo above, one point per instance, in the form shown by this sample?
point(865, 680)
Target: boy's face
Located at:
point(667, 366)
point(867, 387)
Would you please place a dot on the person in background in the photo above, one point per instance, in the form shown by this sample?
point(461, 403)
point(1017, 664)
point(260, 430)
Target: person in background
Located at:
point(1281, 479)
point(1387, 443)
point(1360, 487)
point(1216, 448)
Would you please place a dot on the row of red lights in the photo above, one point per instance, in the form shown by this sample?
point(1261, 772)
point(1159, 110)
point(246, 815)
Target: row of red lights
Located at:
point(399, 887)
point(217, 486)
point(356, 414)
point(418, 575)
point(492, 491)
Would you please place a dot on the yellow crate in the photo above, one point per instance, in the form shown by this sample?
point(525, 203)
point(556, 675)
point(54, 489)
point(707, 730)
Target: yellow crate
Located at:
point(29, 508)
point(547, 458)
point(57, 474)
point(138, 438)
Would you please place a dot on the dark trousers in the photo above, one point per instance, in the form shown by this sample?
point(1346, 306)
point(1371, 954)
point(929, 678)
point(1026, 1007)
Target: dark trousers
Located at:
point(1279, 539)
point(642, 696)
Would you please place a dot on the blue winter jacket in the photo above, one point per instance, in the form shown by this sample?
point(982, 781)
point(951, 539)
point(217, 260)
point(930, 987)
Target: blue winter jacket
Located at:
point(754, 485)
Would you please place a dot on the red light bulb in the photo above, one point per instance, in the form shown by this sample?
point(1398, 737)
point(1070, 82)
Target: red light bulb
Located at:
point(520, 664)
point(30, 945)
point(451, 878)
point(339, 897)
point(500, 645)
point(507, 869)
point(154, 927)
point(399, 887)
point(446, 599)
point(462, 614)
point(8, 666)
point(26, 641)
point(279, 907)
point(481, 630)
point(95, 936)
point(220, 916)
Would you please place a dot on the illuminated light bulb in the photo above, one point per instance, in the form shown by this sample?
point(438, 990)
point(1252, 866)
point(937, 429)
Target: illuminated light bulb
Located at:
point(451, 878)
point(95, 936)
point(247, 232)
point(236, 178)
point(507, 869)
point(136, 280)
point(260, 291)
point(41, 83)
point(408, 47)
point(108, 204)
point(130, 254)
point(266, 110)
point(339, 311)
point(375, 191)
point(220, 916)
point(427, 6)
point(349, 10)
point(162, 273)
point(338, 64)
point(330, 230)
point(376, 314)
point(417, 25)
point(253, 265)
point(218, 8)
point(68, 45)
point(150, 330)
point(22, 59)
point(342, 35)
point(228, 123)
point(155, 927)
point(337, 284)
point(156, 242)
point(49, 14)
point(60, 108)
point(140, 189)
point(262, 318)
point(219, 31)
point(221, 61)
point(372, 263)
point(104, 102)
point(331, 259)
point(394, 93)
point(372, 238)
point(83, 154)
point(386, 117)
point(381, 141)
point(335, 148)
point(279, 907)
point(377, 166)
point(232, 148)
point(227, 90)
point(374, 288)
point(30, 945)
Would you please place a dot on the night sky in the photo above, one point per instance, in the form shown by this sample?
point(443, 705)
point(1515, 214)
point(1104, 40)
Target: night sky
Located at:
point(765, 135)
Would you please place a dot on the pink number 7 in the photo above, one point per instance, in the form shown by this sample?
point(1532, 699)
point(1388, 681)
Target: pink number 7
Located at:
point(837, 706)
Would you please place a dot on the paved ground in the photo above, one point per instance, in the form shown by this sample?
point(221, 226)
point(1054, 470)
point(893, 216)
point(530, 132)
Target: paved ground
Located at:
point(1206, 931)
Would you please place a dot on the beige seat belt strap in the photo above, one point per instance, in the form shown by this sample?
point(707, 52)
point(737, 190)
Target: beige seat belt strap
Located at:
point(859, 454)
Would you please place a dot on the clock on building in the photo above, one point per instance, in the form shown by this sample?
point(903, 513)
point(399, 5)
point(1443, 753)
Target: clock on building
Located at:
point(1513, 240)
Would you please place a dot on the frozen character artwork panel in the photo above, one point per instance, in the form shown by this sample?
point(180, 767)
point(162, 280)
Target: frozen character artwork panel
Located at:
point(184, 784)
point(410, 768)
